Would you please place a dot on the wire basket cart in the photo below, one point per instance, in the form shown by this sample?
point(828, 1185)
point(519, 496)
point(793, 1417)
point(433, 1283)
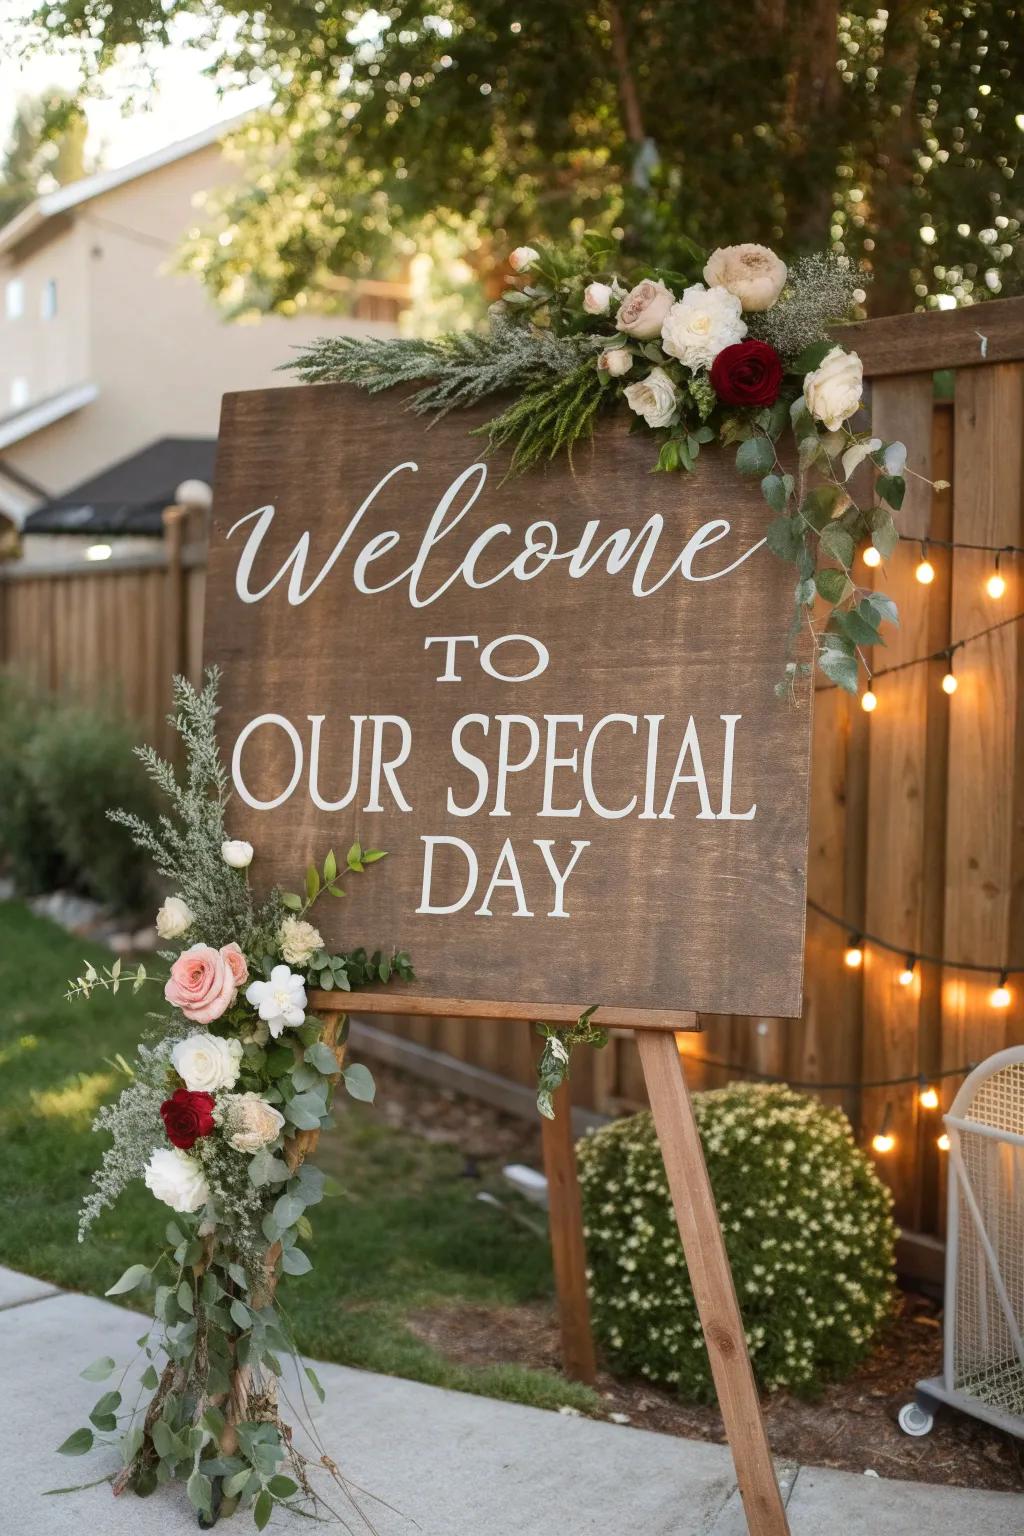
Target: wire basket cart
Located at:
point(983, 1353)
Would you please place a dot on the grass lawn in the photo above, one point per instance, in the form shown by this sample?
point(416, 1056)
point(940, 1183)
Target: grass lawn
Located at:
point(408, 1233)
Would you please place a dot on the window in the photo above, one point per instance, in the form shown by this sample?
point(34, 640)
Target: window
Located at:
point(15, 298)
point(48, 299)
point(19, 393)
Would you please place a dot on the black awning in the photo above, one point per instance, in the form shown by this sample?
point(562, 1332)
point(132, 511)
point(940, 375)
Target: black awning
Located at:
point(130, 496)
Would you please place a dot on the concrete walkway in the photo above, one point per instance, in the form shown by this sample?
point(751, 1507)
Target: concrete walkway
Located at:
point(445, 1464)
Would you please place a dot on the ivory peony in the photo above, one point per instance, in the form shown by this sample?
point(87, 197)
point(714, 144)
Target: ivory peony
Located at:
point(176, 1179)
point(522, 258)
point(174, 918)
point(202, 984)
point(701, 324)
point(207, 1063)
point(643, 309)
point(832, 392)
point(616, 361)
point(299, 941)
point(237, 853)
point(653, 398)
point(752, 272)
point(281, 1000)
point(596, 298)
point(250, 1122)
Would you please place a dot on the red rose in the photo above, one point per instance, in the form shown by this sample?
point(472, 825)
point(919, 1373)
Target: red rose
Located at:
point(748, 373)
point(187, 1116)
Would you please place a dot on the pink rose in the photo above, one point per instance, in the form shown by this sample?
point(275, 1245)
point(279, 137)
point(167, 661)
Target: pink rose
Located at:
point(202, 984)
point(236, 964)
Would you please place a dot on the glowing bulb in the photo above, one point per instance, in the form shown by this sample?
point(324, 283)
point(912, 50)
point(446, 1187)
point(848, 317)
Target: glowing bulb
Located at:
point(883, 1142)
point(942, 1142)
point(906, 976)
point(928, 1098)
point(868, 701)
point(996, 585)
point(854, 956)
point(871, 556)
point(925, 573)
point(999, 997)
point(949, 684)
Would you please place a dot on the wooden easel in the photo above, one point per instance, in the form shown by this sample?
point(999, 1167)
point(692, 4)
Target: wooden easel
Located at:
point(693, 1202)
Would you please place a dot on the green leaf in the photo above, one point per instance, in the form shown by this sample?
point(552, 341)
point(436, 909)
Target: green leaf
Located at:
point(773, 489)
point(165, 1442)
point(200, 1492)
point(857, 628)
point(132, 1277)
point(287, 1211)
point(883, 607)
point(103, 1413)
point(755, 457)
point(213, 1422)
point(312, 882)
point(354, 859)
point(322, 1058)
point(236, 1482)
point(833, 585)
point(80, 1442)
point(305, 1111)
point(314, 1382)
point(359, 1083)
point(835, 541)
point(330, 867)
point(265, 1168)
point(811, 357)
point(150, 1380)
point(883, 533)
point(99, 1370)
point(892, 488)
point(282, 1487)
point(262, 1509)
point(785, 538)
point(295, 1262)
point(822, 504)
point(240, 1315)
point(185, 1298)
point(174, 1234)
point(839, 667)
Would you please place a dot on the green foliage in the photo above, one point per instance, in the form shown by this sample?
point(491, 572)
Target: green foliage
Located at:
point(807, 1226)
point(559, 1041)
point(28, 847)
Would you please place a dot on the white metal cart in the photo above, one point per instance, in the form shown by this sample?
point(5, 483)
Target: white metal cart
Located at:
point(983, 1364)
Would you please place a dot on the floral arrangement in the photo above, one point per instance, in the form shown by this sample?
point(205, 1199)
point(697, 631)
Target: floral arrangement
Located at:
point(807, 1224)
point(732, 351)
point(229, 1094)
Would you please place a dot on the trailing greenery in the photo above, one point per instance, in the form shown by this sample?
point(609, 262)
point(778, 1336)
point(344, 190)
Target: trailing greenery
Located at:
point(559, 1042)
point(807, 1225)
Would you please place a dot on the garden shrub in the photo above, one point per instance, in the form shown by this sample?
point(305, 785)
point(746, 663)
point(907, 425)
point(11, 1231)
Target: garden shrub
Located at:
point(807, 1224)
point(27, 848)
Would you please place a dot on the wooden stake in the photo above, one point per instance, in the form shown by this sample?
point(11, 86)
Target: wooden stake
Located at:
point(568, 1252)
point(711, 1278)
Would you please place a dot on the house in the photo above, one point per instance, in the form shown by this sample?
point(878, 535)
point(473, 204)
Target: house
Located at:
point(107, 352)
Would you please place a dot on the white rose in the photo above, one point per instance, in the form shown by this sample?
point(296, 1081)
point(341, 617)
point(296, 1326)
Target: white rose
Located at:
point(704, 321)
point(176, 1179)
point(207, 1063)
point(596, 298)
point(281, 1000)
point(653, 398)
point(236, 853)
point(522, 258)
point(643, 309)
point(752, 272)
point(174, 918)
point(250, 1122)
point(299, 941)
point(616, 361)
point(832, 392)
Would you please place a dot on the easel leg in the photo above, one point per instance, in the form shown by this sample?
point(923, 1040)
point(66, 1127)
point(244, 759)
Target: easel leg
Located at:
point(565, 1218)
point(711, 1278)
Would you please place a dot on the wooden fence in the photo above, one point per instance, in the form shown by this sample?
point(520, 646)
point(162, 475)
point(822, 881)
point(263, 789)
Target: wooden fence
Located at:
point(917, 823)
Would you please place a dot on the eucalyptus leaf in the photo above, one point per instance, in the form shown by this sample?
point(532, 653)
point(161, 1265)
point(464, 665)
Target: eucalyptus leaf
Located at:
point(359, 1082)
point(322, 1058)
point(295, 1262)
point(755, 457)
point(99, 1370)
point(80, 1442)
point(132, 1277)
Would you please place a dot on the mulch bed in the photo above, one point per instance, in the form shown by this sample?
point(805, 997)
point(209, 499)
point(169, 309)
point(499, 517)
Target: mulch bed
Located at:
point(851, 1426)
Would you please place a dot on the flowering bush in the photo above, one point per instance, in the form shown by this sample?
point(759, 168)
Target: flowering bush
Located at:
point(807, 1225)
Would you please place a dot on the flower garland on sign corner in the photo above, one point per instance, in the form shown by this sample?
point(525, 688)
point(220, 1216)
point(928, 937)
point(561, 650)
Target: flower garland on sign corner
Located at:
point(731, 351)
point(229, 1093)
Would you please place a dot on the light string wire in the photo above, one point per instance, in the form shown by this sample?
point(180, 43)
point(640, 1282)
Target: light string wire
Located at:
point(919, 1079)
point(863, 936)
point(943, 654)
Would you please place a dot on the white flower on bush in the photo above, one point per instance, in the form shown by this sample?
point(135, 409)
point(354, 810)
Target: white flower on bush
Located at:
point(701, 324)
point(832, 391)
point(207, 1063)
point(176, 1179)
point(281, 1000)
point(615, 361)
point(299, 941)
point(597, 298)
point(653, 398)
point(250, 1122)
point(237, 853)
point(752, 272)
point(174, 918)
point(522, 258)
point(644, 308)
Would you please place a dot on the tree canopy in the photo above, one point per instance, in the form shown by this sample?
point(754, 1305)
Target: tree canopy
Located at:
point(46, 147)
point(891, 134)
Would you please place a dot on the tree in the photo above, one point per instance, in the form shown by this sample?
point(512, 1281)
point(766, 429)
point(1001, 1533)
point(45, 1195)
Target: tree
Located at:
point(46, 148)
point(890, 134)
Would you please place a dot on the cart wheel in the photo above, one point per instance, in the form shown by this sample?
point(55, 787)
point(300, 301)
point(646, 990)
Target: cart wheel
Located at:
point(915, 1420)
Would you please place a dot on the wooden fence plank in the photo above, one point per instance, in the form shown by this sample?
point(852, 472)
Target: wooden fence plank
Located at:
point(924, 343)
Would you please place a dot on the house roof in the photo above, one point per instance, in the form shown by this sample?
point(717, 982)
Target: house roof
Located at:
point(130, 496)
point(51, 204)
point(43, 413)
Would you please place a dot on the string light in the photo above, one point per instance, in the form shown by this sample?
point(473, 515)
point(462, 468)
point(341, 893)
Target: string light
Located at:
point(883, 1140)
point(868, 701)
point(906, 976)
point(996, 584)
point(871, 556)
point(1000, 996)
point(925, 571)
point(928, 1098)
point(942, 1142)
point(854, 956)
point(949, 682)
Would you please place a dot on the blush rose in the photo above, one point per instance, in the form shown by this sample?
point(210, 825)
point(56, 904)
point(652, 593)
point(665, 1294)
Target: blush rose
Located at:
point(186, 1117)
point(747, 373)
point(202, 983)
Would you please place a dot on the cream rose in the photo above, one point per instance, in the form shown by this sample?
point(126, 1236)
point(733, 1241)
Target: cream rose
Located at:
point(643, 309)
point(615, 361)
point(653, 398)
point(701, 324)
point(237, 853)
point(207, 1063)
point(522, 258)
point(752, 272)
point(250, 1122)
point(832, 392)
point(596, 298)
point(176, 1179)
point(174, 918)
point(299, 941)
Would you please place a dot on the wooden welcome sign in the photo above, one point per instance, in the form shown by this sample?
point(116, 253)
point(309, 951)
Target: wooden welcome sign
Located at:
point(552, 701)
